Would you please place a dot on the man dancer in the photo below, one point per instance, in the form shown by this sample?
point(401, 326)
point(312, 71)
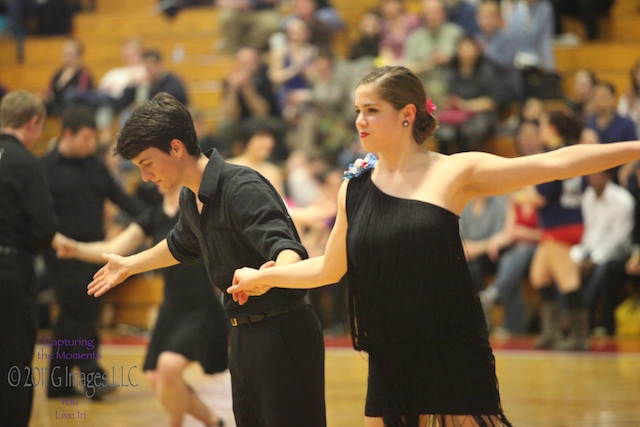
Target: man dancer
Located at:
point(233, 217)
point(28, 225)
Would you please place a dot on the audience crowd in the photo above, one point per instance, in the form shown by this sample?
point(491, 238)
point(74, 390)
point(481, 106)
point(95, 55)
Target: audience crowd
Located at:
point(287, 111)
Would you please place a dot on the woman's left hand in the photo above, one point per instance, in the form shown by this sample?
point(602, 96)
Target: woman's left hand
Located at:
point(245, 283)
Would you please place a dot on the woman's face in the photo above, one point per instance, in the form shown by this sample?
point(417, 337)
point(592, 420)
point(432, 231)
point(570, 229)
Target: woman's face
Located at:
point(467, 52)
point(391, 9)
point(528, 140)
point(298, 31)
point(70, 54)
point(261, 145)
point(378, 122)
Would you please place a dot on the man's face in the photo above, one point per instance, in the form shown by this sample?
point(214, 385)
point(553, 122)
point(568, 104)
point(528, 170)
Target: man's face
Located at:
point(83, 142)
point(159, 167)
point(603, 100)
point(153, 67)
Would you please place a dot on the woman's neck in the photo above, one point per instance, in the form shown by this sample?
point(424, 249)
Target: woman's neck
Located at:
point(394, 160)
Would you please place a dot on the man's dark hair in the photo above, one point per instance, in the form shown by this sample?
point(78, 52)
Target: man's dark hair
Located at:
point(155, 124)
point(77, 117)
point(153, 54)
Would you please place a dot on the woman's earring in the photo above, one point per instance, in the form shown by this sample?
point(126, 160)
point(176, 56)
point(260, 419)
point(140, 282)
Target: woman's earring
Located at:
point(405, 123)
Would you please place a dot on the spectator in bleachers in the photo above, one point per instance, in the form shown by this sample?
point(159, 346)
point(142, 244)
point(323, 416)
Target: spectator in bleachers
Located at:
point(158, 79)
point(320, 32)
point(112, 85)
point(288, 68)
point(302, 187)
point(367, 44)
point(247, 23)
point(396, 25)
point(584, 83)
point(468, 116)
point(617, 273)
point(561, 223)
point(328, 14)
point(608, 212)
point(629, 103)
point(431, 47)
point(481, 225)
point(248, 93)
point(588, 11)
point(533, 110)
point(70, 81)
point(605, 119)
point(463, 13)
point(499, 48)
point(256, 142)
point(518, 242)
point(530, 23)
point(327, 124)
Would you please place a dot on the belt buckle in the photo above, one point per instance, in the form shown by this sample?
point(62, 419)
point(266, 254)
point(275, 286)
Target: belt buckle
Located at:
point(234, 321)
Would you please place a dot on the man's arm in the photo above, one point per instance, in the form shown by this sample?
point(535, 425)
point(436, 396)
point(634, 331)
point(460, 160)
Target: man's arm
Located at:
point(118, 268)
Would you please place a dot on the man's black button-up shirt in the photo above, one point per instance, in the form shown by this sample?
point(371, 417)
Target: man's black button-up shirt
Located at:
point(244, 223)
point(27, 219)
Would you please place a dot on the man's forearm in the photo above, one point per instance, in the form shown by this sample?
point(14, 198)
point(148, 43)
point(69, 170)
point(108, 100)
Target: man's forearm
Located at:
point(155, 258)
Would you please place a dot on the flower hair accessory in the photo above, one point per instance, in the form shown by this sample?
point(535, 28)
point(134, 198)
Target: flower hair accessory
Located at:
point(356, 168)
point(430, 106)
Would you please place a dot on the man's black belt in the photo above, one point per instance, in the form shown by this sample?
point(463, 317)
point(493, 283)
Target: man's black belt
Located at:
point(252, 319)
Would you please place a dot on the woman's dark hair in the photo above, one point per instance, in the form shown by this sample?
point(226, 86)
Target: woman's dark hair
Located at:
point(400, 87)
point(251, 128)
point(567, 125)
point(156, 123)
point(455, 61)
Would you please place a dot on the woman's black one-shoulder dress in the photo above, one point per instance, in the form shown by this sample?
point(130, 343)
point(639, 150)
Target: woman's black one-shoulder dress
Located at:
point(414, 310)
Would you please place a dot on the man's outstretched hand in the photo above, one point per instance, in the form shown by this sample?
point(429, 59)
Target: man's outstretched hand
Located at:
point(113, 273)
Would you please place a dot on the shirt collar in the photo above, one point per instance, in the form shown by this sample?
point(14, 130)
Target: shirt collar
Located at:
point(13, 139)
point(211, 177)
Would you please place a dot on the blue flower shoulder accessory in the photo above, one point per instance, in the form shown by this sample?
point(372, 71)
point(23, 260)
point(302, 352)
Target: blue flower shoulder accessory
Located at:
point(356, 168)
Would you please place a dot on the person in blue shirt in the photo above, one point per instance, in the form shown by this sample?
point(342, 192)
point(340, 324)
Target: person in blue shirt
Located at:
point(463, 13)
point(605, 120)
